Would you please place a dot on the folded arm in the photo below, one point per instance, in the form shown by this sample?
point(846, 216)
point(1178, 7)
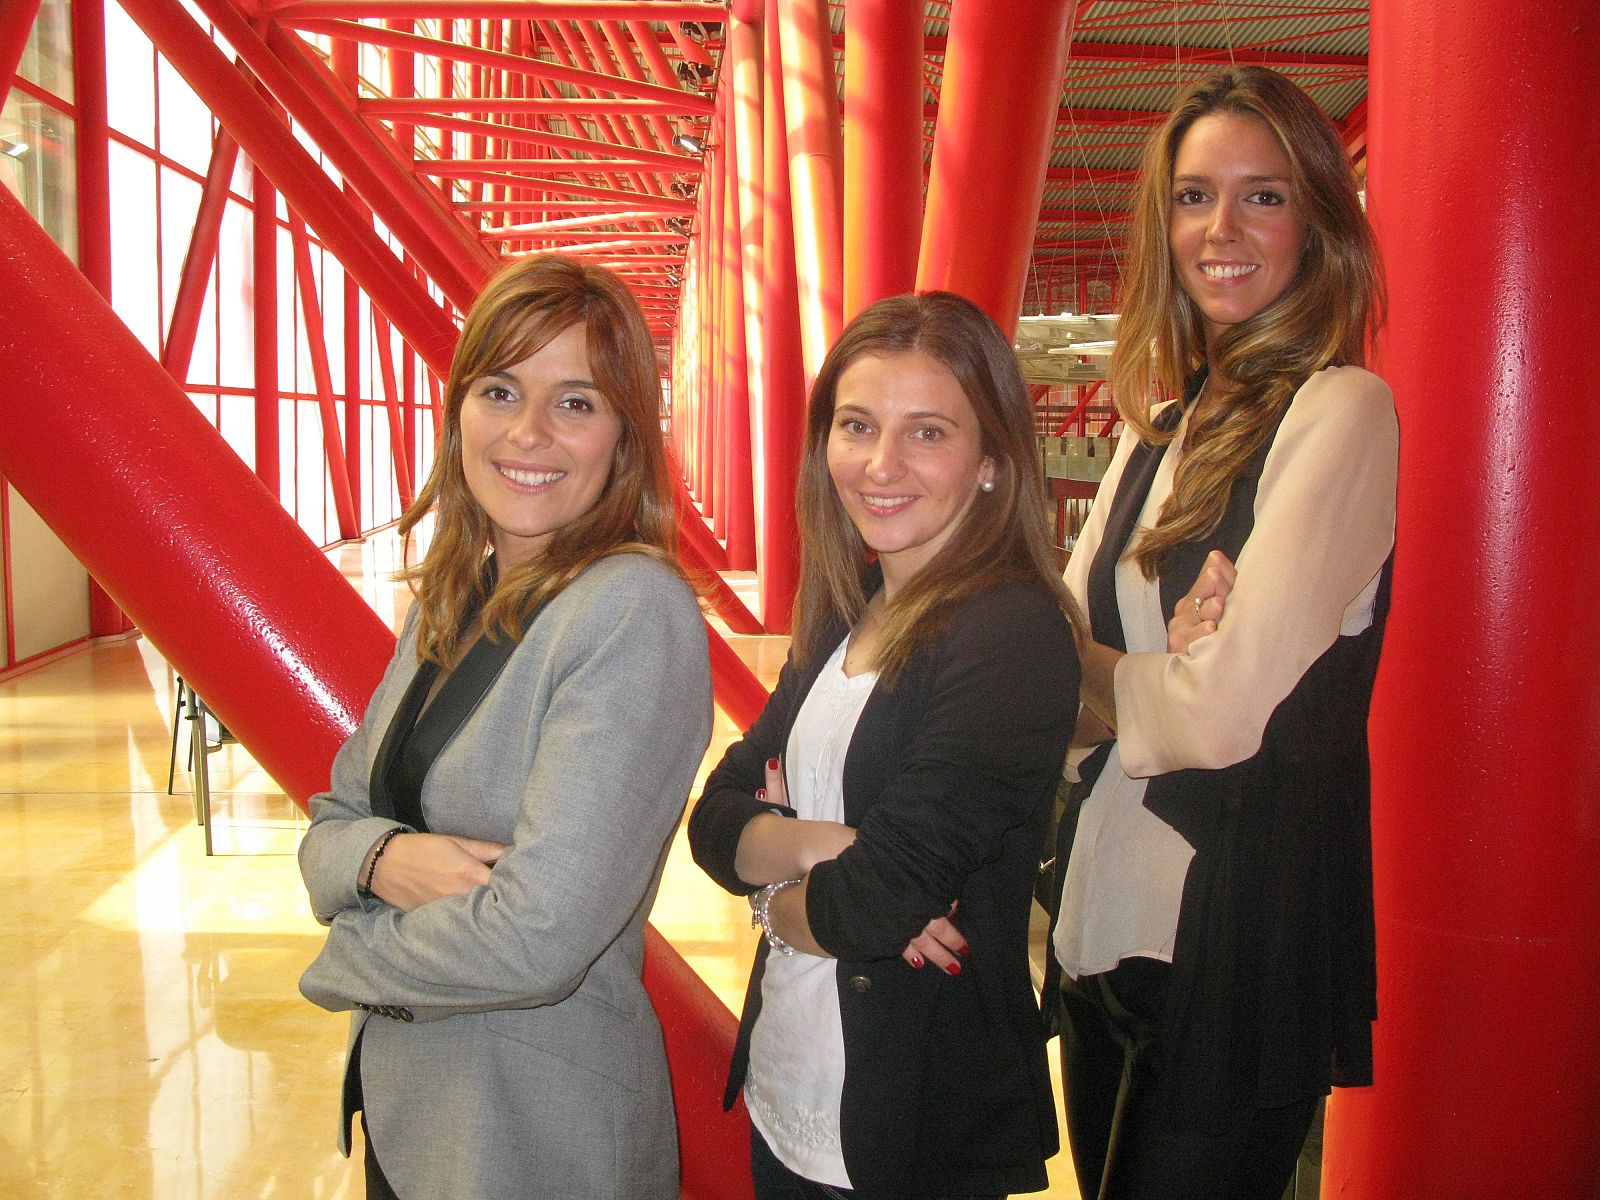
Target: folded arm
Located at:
point(625, 724)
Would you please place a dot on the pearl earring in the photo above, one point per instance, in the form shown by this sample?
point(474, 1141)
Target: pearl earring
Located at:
point(987, 485)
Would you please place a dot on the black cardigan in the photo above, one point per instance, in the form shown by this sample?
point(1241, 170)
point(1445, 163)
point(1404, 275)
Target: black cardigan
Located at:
point(949, 781)
point(1274, 978)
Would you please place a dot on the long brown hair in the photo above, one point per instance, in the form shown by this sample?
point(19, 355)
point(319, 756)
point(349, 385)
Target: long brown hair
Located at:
point(1002, 535)
point(520, 311)
point(1330, 309)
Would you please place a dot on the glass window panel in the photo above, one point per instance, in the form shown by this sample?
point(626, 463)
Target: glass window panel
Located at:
point(185, 122)
point(38, 163)
point(286, 492)
point(47, 58)
point(206, 403)
point(237, 424)
point(236, 341)
point(180, 200)
point(311, 490)
point(330, 291)
point(130, 78)
point(135, 286)
point(203, 359)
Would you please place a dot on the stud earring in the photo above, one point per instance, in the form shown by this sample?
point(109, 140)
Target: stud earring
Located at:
point(987, 485)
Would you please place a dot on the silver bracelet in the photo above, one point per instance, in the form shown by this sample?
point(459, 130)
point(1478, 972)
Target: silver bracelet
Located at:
point(761, 914)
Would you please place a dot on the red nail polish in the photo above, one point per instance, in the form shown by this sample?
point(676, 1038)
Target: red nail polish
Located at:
point(916, 961)
point(953, 969)
point(965, 950)
point(772, 764)
point(761, 793)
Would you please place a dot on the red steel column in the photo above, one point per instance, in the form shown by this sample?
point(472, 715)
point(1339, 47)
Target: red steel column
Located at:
point(264, 325)
point(742, 76)
point(997, 118)
point(816, 155)
point(882, 150)
point(245, 607)
point(783, 384)
point(1487, 714)
point(94, 213)
point(735, 365)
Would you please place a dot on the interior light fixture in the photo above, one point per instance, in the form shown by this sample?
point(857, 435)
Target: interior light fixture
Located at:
point(678, 225)
point(688, 143)
point(13, 149)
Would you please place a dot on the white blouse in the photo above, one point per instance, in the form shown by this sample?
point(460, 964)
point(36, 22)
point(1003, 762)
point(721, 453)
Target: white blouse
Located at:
point(796, 1077)
point(1324, 526)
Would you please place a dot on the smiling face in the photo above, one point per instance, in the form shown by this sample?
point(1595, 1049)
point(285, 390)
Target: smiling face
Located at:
point(537, 445)
point(1236, 234)
point(906, 457)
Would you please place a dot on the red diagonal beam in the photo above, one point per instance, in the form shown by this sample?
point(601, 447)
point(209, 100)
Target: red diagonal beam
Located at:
point(392, 403)
point(569, 49)
point(622, 43)
point(579, 106)
point(311, 320)
point(307, 188)
point(202, 255)
point(496, 60)
point(562, 187)
point(302, 83)
point(506, 10)
point(372, 163)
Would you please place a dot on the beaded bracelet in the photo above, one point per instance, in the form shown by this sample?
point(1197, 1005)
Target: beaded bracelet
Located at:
point(364, 888)
point(761, 914)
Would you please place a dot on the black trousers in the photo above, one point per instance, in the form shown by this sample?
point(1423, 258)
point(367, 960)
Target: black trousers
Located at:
point(774, 1181)
point(1112, 1054)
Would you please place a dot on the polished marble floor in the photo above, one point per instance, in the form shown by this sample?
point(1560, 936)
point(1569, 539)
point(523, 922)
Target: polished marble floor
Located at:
point(156, 1047)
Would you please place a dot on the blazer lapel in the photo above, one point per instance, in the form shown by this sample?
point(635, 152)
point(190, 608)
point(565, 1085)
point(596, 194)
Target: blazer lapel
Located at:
point(416, 735)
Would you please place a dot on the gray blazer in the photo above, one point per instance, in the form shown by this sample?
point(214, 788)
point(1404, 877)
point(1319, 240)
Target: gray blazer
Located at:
point(508, 1048)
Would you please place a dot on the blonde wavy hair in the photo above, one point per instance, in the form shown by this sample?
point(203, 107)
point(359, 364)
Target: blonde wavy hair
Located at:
point(520, 311)
point(1003, 534)
point(1326, 316)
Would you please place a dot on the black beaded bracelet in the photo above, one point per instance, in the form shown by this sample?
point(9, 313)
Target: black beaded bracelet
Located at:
point(364, 888)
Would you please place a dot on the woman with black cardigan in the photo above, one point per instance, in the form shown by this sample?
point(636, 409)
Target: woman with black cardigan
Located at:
point(1216, 926)
point(902, 773)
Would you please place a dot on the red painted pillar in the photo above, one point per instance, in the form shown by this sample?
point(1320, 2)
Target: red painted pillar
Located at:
point(816, 186)
point(1487, 714)
point(264, 325)
point(742, 76)
point(735, 365)
point(783, 384)
point(706, 295)
point(94, 214)
point(200, 260)
point(997, 118)
point(882, 150)
point(16, 23)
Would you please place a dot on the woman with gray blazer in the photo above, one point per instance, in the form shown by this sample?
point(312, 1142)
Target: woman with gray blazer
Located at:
point(903, 773)
point(488, 850)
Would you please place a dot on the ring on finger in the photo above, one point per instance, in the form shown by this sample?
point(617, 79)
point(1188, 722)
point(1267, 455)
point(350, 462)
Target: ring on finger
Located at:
point(1197, 606)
